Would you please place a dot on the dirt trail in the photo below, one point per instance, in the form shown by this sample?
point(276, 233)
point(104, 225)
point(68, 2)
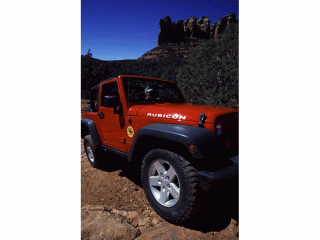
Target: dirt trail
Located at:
point(110, 185)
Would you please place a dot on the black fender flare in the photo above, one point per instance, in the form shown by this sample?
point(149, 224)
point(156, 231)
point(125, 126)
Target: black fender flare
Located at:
point(89, 123)
point(202, 138)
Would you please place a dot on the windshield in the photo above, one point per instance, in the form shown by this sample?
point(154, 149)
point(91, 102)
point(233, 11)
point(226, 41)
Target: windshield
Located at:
point(141, 90)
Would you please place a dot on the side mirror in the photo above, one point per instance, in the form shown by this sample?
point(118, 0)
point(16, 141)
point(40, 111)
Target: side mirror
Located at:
point(110, 101)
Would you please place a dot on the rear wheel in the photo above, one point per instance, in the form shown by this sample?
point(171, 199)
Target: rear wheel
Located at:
point(93, 152)
point(171, 185)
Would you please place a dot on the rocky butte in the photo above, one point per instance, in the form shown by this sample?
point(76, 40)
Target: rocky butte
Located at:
point(177, 38)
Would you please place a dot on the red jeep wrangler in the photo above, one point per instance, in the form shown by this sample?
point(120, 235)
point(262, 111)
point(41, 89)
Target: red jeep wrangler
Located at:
point(182, 148)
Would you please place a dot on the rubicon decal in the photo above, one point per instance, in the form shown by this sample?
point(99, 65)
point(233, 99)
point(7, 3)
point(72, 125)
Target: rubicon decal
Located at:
point(173, 116)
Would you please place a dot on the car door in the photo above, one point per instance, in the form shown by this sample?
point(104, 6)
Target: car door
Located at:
point(111, 125)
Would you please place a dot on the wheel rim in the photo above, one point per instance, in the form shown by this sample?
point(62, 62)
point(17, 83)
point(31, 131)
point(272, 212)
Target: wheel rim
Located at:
point(164, 183)
point(89, 153)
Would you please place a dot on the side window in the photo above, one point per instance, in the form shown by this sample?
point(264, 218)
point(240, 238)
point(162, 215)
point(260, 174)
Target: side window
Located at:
point(109, 89)
point(94, 99)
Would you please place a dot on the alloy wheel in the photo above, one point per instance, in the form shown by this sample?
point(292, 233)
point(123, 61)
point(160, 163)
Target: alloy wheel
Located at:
point(164, 183)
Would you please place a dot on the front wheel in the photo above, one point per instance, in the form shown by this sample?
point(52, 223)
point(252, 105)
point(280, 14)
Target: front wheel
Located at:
point(171, 185)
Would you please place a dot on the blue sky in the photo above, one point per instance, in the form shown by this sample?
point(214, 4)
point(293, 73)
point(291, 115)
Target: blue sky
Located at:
point(117, 30)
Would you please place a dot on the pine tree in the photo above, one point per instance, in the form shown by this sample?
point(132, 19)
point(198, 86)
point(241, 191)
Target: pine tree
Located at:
point(89, 54)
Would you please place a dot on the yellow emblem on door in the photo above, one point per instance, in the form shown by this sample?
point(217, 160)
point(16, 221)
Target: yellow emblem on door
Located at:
point(130, 131)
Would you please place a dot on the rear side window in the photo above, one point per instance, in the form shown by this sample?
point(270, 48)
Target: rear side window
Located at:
point(109, 89)
point(94, 99)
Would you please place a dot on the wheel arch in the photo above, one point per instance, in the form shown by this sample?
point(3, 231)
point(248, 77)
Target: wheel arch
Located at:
point(88, 127)
point(174, 138)
point(146, 143)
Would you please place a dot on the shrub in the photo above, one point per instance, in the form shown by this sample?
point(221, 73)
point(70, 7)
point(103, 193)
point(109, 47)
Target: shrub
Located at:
point(210, 75)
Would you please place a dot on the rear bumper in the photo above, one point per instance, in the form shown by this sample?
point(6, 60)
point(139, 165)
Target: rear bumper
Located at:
point(209, 180)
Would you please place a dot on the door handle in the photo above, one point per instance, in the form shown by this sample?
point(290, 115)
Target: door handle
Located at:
point(101, 115)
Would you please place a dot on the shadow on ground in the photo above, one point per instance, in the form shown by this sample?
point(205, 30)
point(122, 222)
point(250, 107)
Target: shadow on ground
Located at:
point(221, 204)
point(128, 170)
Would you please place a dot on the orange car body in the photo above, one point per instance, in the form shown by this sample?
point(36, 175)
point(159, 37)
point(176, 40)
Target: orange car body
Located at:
point(117, 130)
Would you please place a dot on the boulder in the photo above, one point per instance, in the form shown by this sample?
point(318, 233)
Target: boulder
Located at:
point(106, 225)
point(143, 221)
point(169, 231)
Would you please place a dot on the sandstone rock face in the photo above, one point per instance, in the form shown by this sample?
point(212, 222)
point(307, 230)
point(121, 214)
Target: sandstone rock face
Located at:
point(222, 24)
point(170, 32)
point(203, 27)
point(165, 30)
point(106, 225)
point(178, 32)
point(182, 31)
point(180, 49)
point(190, 26)
point(231, 18)
point(213, 29)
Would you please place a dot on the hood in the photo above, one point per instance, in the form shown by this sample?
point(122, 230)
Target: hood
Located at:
point(185, 111)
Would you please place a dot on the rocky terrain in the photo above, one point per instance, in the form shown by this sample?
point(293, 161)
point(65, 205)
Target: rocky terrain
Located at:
point(113, 206)
point(169, 50)
point(171, 32)
point(177, 38)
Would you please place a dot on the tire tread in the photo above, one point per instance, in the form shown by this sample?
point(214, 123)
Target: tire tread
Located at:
point(193, 202)
point(96, 151)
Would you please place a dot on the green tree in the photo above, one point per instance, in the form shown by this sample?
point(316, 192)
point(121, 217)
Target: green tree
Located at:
point(93, 71)
point(210, 75)
point(89, 54)
point(169, 66)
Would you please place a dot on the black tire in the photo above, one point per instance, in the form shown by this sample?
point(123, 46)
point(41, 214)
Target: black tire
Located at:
point(162, 191)
point(93, 152)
